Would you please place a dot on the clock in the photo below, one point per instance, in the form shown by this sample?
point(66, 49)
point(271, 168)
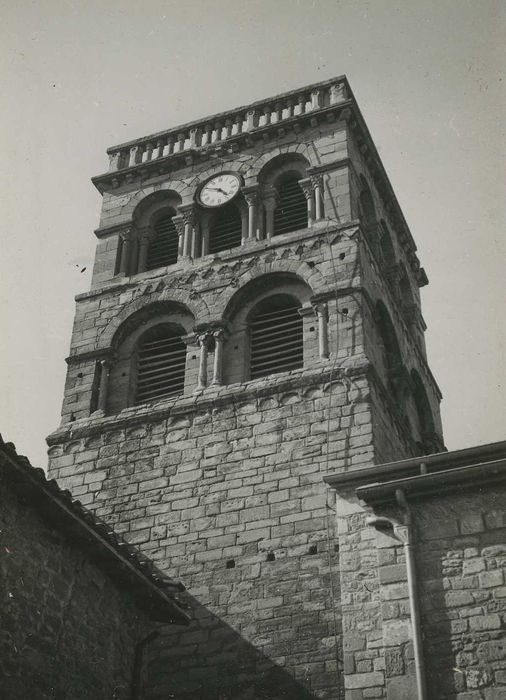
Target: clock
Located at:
point(219, 190)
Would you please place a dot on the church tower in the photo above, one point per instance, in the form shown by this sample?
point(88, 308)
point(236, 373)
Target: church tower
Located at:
point(253, 324)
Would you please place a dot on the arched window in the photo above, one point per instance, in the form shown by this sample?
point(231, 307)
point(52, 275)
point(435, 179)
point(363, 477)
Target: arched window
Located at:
point(226, 229)
point(386, 248)
point(425, 422)
point(163, 244)
point(160, 364)
point(275, 328)
point(367, 208)
point(291, 210)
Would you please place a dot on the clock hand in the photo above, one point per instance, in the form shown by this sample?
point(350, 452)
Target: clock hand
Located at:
point(218, 189)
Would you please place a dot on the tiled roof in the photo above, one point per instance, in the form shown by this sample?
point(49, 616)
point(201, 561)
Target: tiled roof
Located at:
point(153, 591)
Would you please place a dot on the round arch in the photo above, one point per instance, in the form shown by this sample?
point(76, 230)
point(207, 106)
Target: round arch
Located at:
point(154, 204)
point(159, 303)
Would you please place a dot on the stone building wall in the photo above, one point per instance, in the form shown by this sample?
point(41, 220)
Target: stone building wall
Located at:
point(67, 630)
point(458, 539)
point(461, 560)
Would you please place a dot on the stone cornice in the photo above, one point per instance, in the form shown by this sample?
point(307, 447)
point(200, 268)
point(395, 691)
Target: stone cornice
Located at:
point(426, 475)
point(208, 261)
point(233, 144)
point(100, 354)
point(212, 397)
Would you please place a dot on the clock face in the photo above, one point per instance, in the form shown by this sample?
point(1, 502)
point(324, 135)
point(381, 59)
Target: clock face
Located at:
point(219, 190)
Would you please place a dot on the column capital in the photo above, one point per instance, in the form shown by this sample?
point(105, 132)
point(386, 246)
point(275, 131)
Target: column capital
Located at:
point(307, 187)
point(127, 233)
point(212, 327)
point(321, 308)
point(316, 180)
point(250, 194)
point(179, 223)
point(187, 211)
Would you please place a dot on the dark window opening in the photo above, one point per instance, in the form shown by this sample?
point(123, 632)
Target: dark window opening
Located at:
point(119, 253)
point(226, 229)
point(95, 387)
point(291, 211)
point(161, 359)
point(313, 549)
point(230, 564)
point(270, 556)
point(275, 337)
point(163, 247)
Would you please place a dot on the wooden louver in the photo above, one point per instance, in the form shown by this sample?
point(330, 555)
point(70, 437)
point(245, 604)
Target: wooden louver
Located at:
point(291, 212)
point(226, 229)
point(161, 358)
point(276, 340)
point(163, 247)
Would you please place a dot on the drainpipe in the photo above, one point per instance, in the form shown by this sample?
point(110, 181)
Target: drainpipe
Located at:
point(414, 606)
point(382, 523)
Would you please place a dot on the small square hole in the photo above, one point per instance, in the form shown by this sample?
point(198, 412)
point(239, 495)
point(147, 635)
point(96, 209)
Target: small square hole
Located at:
point(230, 564)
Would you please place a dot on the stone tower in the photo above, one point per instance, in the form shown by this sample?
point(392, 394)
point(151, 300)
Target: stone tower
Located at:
point(253, 324)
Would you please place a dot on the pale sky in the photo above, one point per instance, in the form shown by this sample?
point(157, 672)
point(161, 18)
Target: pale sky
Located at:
point(77, 77)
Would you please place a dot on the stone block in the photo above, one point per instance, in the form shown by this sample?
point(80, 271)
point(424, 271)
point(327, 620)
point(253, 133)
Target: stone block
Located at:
point(394, 662)
point(481, 623)
point(364, 680)
point(401, 688)
point(392, 573)
point(454, 599)
point(493, 650)
point(489, 579)
point(473, 566)
point(396, 632)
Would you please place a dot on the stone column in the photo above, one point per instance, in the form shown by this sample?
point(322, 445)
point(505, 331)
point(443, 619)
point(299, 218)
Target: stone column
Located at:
point(187, 212)
point(219, 341)
point(126, 237)
point(204, 233)
point(105, 367)
point(203, 339)
point(317, 184)
point(251, 197)
point(143, 249)
point(269, 202)
point(307, 188)
point(179, 224)
point(322, 313)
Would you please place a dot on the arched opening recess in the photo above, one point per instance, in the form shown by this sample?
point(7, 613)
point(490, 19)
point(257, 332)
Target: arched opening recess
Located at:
point(160, 358)
point(275, 334)
point(150, 356)
point(266, 328)
point(156, 241)
point(284, 200)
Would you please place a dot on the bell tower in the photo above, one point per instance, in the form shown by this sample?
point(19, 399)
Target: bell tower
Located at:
point(253, 324)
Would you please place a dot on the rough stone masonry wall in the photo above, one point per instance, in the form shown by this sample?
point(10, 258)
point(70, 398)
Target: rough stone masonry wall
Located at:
point(66, 629)
point(461, 559)
point(460, 550)
point(228, 494)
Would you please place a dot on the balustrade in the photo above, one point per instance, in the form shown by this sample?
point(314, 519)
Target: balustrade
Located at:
point(207, 133)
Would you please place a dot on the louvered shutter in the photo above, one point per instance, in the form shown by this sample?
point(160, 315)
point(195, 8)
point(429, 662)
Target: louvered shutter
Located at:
point(291, 211)
point(276, 339)
point(226, 229)
point(163, 246)
point(161, 359)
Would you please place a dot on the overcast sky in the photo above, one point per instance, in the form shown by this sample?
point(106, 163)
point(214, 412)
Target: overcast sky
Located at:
point(77, 77)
